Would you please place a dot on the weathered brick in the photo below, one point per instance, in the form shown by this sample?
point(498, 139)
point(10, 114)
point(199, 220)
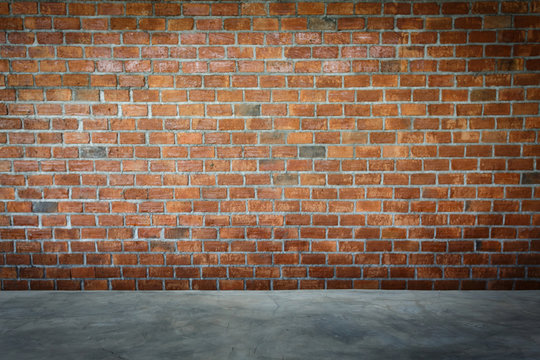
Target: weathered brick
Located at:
point(177, 233)
point(312, 151)
point(317, 23)
point(530, 178)
point(285, 179)
point(45, 207)
point(93, 152)
point(247, 110)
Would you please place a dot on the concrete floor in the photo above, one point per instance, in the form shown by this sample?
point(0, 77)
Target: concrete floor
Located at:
point(270, 325)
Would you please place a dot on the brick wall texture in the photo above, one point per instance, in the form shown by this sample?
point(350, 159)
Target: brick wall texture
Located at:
point(269, 145)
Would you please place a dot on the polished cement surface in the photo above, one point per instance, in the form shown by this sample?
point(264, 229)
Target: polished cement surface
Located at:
point(270, 325)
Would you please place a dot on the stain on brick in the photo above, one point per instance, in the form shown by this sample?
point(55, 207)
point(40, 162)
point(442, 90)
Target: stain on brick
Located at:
point(285, 179)
point(530, 178)
point(86, 95)
point(93, 152)
point(44, 207)
point(483, 95)
point(317, 23)
point(393, 66)
point(510, 64)
point(312, 151)
point(177, 233)
point(247, 110)
point(162, 246)
point(272, 138)
point(478, 245)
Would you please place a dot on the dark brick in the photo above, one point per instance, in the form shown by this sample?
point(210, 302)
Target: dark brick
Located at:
point(322, 24)
point(510, 64)
point(93, 152)
point(247, 110)
point(162, 246)
point(285, 179)
point(177, 233)
point(393, 66)
point(531, 178)
point(44, 207)
point(312, 151)
point(272, 138)
point(483, 95)
point(478, 245)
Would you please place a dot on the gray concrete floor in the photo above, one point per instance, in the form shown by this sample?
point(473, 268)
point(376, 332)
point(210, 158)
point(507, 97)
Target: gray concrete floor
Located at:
point(270, 325)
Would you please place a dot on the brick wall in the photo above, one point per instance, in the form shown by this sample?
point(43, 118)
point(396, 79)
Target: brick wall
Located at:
point(269, 145)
